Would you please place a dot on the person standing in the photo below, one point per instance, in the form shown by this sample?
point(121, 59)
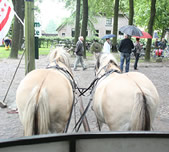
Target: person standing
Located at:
point(106, 47)
point(79, 50)
point(7, 42)
point(156, 43)
point(96, 48)
point(125, 47)
point(163, 44)
point(138, 48)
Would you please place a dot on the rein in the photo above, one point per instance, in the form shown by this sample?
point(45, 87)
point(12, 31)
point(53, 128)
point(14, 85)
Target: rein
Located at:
point(66, 73)
point(92, 88)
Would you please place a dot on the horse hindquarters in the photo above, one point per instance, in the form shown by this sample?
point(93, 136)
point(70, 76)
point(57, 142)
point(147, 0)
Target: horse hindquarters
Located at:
point(141, 117)
point(36, 113)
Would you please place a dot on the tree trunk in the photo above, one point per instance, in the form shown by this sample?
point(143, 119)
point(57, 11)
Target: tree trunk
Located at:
point(17, 32)
point(163, 33)
point(131, 12)
point(150, 29)
point(22, 16)
point(84, 24)
point(115, 24)
point(77, 25)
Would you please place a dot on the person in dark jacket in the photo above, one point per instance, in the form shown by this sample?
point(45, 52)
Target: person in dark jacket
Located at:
point(157, 43)
point(125, 47)
point(163, 44)
point(7, 41)
point(79, 53)
point(96, 48)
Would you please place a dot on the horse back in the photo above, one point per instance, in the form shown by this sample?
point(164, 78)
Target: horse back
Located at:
point(116, 96)
point(58, 91)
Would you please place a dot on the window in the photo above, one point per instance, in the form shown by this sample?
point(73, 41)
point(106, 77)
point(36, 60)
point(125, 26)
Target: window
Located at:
point(73, 32)
point(87, 33)
point(108, 31)
point(63, 34)
point(120, 33)
point(97, 33)
point(109, 22)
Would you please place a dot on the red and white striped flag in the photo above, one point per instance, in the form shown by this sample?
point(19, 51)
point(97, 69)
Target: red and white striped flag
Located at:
point(6, 16)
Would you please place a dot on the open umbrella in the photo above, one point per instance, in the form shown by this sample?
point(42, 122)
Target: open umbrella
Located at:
point(108, 36)
point(131, 30)
point(145, 35)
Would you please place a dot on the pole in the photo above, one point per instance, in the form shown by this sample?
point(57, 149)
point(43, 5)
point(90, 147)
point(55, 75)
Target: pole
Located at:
point(29, 36)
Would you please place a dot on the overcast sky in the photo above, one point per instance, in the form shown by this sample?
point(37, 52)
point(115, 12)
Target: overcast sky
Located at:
point(52, 10)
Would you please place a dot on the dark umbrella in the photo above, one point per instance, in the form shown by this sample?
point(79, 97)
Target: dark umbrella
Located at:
point(131, 30)
point(108, 36)
point(145, 35)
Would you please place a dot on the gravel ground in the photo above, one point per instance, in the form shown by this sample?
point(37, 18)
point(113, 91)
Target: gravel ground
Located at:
point(10, 124)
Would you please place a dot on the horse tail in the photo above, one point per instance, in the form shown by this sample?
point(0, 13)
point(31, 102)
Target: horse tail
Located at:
point(36, 114)
point(141, 114)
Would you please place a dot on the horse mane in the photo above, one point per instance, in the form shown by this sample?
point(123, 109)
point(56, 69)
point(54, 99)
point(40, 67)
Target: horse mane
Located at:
point(59, 54)
point(105, 59)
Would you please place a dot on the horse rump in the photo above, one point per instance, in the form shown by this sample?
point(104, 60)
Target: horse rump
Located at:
point(141, 116)
point(36, 113)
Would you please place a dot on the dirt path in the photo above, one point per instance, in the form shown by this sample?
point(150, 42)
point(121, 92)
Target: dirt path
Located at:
point(10, 124)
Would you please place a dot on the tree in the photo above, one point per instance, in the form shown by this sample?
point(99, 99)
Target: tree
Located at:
point(131, 12)
point(84, 24)
point(77, 24)
point(162, 17)
point(115, 23)
point(17, 31)
point(150, 28)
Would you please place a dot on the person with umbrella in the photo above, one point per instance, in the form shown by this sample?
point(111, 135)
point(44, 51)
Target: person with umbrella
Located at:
point(107, 44)
point(125, 47)
point(106, 47)
point(138, 48)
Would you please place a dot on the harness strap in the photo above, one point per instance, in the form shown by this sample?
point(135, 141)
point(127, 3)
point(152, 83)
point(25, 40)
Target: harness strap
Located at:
point(73, 83)
point(74, 86)
point(92, 86)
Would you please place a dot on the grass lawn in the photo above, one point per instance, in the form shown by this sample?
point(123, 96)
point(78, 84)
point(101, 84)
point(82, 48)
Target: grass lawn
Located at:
point(5, 53)
point(42, 51)
point(45, 51)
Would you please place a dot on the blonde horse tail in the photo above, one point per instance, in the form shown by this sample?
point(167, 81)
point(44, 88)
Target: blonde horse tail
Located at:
point(141, 114)
point(36, 114)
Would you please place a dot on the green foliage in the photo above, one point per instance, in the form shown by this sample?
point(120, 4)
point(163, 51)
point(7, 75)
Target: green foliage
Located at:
point(142, 14)
point(70, 4)
point(162, 15)
point(102, 6)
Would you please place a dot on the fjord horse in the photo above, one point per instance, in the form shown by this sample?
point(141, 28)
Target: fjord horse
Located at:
point(44, 97)
point(123, 101)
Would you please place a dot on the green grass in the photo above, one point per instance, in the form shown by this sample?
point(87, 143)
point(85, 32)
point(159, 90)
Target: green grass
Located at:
point(44, 51)
point(5, 53)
